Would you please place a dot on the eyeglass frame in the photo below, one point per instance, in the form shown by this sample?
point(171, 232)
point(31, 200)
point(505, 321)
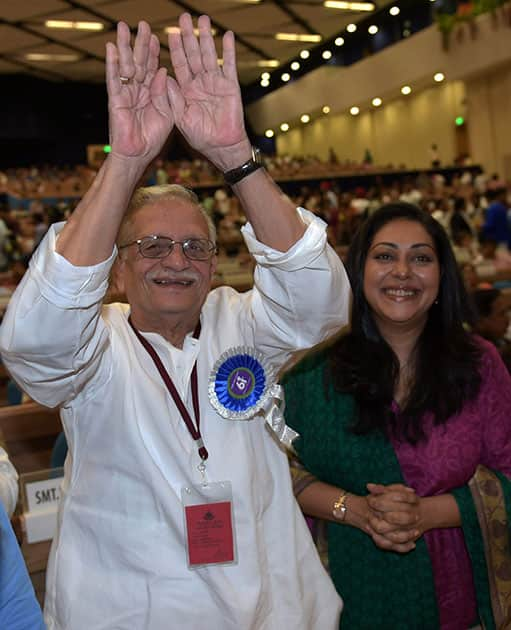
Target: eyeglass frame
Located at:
point(211, 251)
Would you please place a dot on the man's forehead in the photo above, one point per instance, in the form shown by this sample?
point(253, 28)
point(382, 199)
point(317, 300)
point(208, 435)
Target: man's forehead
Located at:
point(172, 214)
point(174, 205)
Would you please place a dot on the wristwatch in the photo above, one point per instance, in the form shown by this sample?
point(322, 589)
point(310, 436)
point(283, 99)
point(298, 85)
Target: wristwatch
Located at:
point(235, 175)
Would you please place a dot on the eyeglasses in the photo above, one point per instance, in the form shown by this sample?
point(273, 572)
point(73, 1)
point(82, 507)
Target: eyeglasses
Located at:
point(160, 247)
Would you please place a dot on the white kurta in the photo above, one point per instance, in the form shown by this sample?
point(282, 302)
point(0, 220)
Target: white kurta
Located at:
point(118, 559)
point(8, 483)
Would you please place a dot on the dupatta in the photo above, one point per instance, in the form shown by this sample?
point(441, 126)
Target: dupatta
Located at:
point(485, 507)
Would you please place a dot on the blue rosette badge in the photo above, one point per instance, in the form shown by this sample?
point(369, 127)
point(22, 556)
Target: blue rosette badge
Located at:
point(240, 383)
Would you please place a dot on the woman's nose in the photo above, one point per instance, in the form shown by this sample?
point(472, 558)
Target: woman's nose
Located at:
point(401, 269)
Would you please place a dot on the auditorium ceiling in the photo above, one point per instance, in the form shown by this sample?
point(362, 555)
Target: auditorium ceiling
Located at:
point(28, 46)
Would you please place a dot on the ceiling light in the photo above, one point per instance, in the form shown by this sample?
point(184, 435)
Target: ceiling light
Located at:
point(305, 118)
point(196, 32)
point(326, 109)
point(439, 77)
point(285, 77)
point(59, 24)
point(349, 6)
point(351, 28)
point(326, 54)
point(295, 66)
point(304, 54)
point(284, 127)
point(81, 26)
point(265, 76)
point(269, 133)
point(373, 29)
point(354, 111)
point(51, 57)
point(339, 41)
point(267, 63)
point(406, 89)
point(89, 26)
point(376, 101)
point(264, 83)
point(394, 11)
point(298, 37)
point(173, 29)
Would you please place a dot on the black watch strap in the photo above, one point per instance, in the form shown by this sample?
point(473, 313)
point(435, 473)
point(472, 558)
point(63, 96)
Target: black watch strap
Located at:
point(235, 175)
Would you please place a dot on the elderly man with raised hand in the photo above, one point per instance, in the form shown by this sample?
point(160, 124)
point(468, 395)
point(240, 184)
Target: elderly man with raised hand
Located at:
point(176, 509)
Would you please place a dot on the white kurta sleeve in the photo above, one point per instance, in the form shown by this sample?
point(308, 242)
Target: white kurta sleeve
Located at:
point(8, 483)
point(52, 334)
point(301, 296)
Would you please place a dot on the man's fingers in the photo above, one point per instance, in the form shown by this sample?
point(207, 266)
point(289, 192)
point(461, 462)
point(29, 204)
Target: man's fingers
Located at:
point(159, 91)
point(178, 57)
point(190, 44)
point(112, 70)
point(207, 44)
point(229, 56)
point(153, 59)
point(176, 100)
point(126, 65)
point(141, 51)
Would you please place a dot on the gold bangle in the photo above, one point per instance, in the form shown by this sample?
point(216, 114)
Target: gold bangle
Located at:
point(339, 507)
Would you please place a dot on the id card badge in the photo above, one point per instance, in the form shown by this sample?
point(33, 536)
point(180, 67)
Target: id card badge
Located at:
point(209, 524)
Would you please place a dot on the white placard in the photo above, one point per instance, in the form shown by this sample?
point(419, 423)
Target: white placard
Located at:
point(43, 495)
point(40, 526)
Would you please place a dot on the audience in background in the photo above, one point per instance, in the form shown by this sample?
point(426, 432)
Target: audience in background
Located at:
point(459, 222)
point(459, 204)
point(492, 309)
point(471, 278)
point(496, 223)
point(495, 260)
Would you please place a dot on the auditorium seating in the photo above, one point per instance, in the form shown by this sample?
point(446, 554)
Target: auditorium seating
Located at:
point(29, 431)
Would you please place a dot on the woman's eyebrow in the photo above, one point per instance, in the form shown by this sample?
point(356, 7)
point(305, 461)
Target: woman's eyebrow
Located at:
point(395, 246)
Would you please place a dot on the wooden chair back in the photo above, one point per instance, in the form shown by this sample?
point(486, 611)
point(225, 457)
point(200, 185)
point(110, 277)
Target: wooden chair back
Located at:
point(29, 431)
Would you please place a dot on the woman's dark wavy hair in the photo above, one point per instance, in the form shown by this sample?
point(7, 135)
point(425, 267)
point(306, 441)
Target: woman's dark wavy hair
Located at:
point(447, 358)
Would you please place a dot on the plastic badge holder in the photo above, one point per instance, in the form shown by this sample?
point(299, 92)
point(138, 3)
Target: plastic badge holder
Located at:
point(209, 524)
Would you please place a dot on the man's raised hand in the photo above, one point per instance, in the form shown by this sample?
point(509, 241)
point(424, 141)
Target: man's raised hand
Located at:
point(205, 97)
point(140, 116)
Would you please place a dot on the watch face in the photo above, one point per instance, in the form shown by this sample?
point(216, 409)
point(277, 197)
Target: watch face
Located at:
point(256, 155)
point(237, 174)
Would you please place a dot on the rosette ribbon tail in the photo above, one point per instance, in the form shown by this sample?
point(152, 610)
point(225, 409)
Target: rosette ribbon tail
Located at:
point(274, 414)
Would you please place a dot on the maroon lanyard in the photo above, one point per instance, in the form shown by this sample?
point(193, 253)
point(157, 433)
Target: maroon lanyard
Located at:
point(194, 432)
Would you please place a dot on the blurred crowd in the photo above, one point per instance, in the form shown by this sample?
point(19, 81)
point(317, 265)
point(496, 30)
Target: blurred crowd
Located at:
point(66, 181)
point(473, 208)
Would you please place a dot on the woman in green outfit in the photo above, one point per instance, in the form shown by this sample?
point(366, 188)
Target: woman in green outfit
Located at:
point(394, 420)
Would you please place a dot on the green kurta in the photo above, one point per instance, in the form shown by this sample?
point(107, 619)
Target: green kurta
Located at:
point(396, 590)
